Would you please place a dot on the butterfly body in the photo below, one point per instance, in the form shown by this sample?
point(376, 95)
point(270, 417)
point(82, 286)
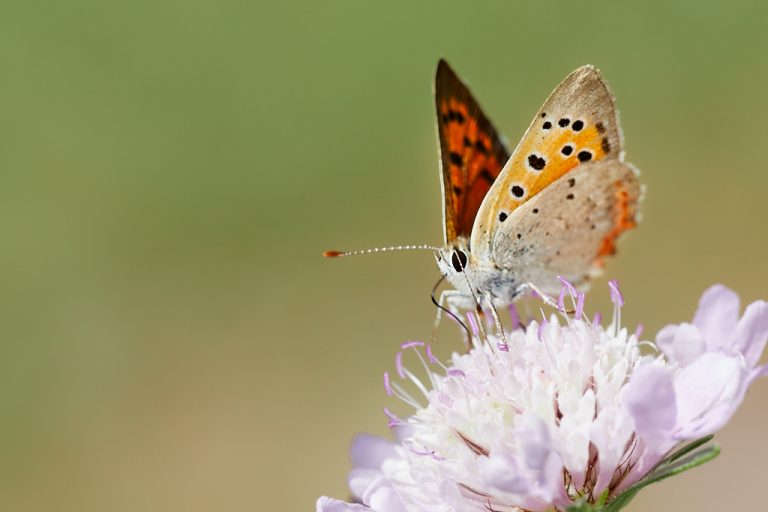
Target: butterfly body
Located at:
point(553, 207)
point(472, 279)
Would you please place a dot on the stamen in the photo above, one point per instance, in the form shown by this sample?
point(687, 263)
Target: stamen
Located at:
point(561, 299)
point(405, 396)
point(387, 384)
point(434, 360)
point(392, 419)
point(567, 284)
point(597, 319)
point(455, 372)
point(514, 316)
point(616, 296)
point(418, 383)
point(639, 331)
point(430, 356)
point(415, 345)
point(540, 332)
point(580, 305)
point(428, 454)
point(445, 399)
point(473, 324)
point(618, 301)
point(399, 364)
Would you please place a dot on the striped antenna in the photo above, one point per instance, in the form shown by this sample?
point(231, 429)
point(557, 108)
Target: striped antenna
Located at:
point(337, 254)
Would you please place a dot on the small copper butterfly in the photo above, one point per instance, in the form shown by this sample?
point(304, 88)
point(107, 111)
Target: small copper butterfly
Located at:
point(552, 208)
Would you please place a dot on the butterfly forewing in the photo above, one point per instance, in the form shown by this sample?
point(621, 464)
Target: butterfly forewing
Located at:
point(472, 153)
point(577, 125)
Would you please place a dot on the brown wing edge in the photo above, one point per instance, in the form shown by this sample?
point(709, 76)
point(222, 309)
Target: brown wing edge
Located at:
point(447, 84)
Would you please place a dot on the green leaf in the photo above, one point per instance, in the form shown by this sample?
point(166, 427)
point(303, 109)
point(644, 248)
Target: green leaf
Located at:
point(678, 462)
point(620, 501)
point(685, 450)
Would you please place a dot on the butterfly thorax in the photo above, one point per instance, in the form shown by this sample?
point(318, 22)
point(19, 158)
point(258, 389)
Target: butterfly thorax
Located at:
point(474, 279)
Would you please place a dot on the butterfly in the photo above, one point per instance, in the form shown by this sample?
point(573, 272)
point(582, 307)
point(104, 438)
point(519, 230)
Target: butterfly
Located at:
point(553, 208)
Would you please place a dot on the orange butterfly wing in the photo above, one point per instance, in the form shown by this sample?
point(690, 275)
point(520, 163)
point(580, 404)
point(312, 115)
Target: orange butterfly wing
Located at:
point(472, 153)
point(578, 124)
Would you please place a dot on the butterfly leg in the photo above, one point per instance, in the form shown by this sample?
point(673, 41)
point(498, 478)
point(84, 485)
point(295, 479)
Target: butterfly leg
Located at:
point(549, 301)
point(497, 321)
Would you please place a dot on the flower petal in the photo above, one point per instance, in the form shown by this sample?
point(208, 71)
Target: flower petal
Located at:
point(649, 398)
point(717, 315)
point(760, 371)
point(688, 344)
point(326, 504)
point(533, 477)
point(385, 499)
point(359, 480)
point(751, 332)
point(665, 339)
point(708, 392)
point(367, 451)
point(610, 432)
point(503, 472)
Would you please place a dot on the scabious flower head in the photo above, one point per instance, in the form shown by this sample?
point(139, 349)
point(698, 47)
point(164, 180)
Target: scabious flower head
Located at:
point(560, 413)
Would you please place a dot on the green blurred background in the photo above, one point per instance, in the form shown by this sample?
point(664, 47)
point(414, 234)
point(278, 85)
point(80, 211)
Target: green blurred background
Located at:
point(171, 339)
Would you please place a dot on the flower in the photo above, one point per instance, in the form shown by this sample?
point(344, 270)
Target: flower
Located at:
point(559, 413)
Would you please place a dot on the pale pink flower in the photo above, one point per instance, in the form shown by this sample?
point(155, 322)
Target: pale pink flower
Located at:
point(564, 413)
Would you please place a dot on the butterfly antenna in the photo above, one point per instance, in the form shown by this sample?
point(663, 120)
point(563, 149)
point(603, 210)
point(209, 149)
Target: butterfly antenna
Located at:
point(338, 254)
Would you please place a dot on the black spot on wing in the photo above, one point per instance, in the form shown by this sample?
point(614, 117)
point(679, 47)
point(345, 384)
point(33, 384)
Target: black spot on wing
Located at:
point(606, 145)
point(536, 162)
point(455, 115)
point(562, 123)
point(486, 175)
point(455, 158)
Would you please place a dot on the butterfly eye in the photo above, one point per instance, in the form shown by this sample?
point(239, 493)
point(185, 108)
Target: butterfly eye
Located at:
point(459, 260)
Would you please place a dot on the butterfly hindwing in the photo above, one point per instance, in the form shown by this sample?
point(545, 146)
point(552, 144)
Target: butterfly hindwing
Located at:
point(577, 125)
point(570, 226)
point(472, 153)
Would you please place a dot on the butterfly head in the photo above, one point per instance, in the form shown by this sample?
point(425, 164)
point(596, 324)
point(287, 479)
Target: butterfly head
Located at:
point(454, 259)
